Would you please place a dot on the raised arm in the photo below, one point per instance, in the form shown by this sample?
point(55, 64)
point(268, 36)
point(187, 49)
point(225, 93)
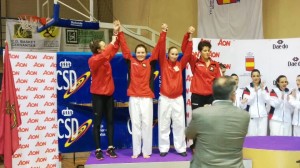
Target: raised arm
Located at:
point(114, 49)
point(115, 40)
point(188, 43)
point(194, 58)
point(105, 55)
point(162, 51)
point(124, 47)
point(160, 43)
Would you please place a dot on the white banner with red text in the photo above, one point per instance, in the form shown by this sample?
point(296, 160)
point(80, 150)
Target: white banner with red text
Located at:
point(35, 81)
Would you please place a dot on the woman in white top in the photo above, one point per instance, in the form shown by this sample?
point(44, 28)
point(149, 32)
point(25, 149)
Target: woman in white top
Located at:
point(238, 93)
point(295, 102)
point(281, 110)
point(256, 97)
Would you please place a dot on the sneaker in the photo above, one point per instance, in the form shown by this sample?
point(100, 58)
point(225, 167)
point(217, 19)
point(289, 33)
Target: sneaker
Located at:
point(184, 154)
point(99, 155)
point(111, 152)
point(163, 154)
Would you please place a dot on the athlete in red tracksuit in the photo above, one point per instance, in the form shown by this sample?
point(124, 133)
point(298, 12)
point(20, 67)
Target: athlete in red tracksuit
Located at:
point(102, 89)
point(171, 103)
point(140, 92)
point(204, 70)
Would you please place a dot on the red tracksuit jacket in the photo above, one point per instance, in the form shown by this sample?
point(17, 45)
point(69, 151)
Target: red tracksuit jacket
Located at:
point(171, 72)
point(102, 80)
point(203, 76)
point(141, 77)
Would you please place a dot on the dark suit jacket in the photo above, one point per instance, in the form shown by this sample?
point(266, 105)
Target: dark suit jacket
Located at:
point(220, 131)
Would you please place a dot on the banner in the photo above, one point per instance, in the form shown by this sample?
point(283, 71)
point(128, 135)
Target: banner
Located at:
point(27, 40)
point(272, 57)
point(35, 81)
point(243, 20)
point(79, 39)
point(222, 2)
point(75, 117)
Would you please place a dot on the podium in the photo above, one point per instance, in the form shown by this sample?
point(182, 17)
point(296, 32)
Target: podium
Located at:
point(272, 151)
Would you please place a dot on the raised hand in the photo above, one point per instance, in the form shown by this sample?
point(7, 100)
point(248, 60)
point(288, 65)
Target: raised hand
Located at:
point(191, 30)
point(117, 27)
point(164, 27)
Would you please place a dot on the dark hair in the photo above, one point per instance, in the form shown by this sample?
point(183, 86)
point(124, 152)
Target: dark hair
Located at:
point(169, 50)
point(94, 46)
point(278, 79)
point(203, 44)
point(223, 88)
point(298, 76)
point(141, 45)
point(234, 75)
point(255, 70)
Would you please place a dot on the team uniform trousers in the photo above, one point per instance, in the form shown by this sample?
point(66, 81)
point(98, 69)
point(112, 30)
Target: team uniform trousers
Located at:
point(140, 92)
point(279, 128)
point(103, 105)
point(141, 115)
point(171, 110)
point(258, 126)
point(296, 123)
point(296, 130)
point(256, 106)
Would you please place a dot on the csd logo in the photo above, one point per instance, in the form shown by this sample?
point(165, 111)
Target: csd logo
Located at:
point(81, 131)
point(79, 83)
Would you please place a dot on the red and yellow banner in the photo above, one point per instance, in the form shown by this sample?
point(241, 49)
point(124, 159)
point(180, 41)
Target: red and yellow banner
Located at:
point(249, 63)
point(222, 2)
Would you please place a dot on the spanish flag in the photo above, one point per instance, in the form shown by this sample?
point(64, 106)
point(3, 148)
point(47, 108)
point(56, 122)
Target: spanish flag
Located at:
point(223, 2)
point(249, 63)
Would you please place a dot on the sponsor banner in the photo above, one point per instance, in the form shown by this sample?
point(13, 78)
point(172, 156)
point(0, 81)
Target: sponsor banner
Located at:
point(75, 117)
point(272, 57)
point(27, 40)
point(74, 108)
point(35, 81)
point(79, 39)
